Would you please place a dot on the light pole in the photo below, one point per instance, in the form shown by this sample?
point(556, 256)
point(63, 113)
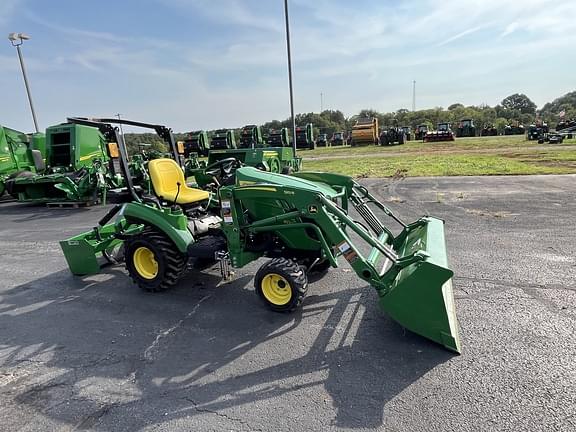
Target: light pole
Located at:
point(321, 102)
point(413, 95)
point(290, 76)
point(17, 39)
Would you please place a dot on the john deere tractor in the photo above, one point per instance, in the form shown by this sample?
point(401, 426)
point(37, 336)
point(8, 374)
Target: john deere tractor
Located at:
point(466, 128)
point(20, 154)
point(300, 224)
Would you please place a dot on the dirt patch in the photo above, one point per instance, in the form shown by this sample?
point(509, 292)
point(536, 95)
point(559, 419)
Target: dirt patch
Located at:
point(487, 213)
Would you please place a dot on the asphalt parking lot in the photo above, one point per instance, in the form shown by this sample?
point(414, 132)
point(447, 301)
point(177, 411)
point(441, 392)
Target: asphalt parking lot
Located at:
point(97, 353)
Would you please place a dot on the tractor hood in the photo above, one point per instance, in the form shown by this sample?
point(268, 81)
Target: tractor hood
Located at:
point(248, 176)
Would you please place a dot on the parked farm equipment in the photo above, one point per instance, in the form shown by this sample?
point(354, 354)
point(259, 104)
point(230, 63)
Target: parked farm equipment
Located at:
point(76, 169)
point(338, 139)
point(421, 131)
point(196, 144)
point(20, 154)
point(251, 137)
point(538, 132)
point(365, 131)
point(442, 133)
point(301, 223)
point(322, 140)
point(305, 137)
point(466, 128)
point(489, 130)
point(514, 128)
point(223, 139)
point(407, 132)
point(392, 135)
point(278, 138)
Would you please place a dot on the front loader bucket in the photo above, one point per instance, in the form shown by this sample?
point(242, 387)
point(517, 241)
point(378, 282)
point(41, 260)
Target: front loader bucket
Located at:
point(420, 298)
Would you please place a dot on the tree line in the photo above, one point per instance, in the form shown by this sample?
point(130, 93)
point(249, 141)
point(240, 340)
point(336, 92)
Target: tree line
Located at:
point(514, 109)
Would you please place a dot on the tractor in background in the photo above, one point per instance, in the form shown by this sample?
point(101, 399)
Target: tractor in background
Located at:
point(338, 139)
point(278, 138)
point(20, 154)
point(365, 132)
point(538, 132)
point(301, 225)
point(421, 131)
point(466, 128)
point(442, 133)
point(489, 130)
point(305, 137)
point(322, 140)
point(407, 132)
point(392, 135)
point(514, 128)
point(223, 139)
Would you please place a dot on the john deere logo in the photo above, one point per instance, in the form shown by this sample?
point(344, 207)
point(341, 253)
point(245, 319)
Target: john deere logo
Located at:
point(313, 209)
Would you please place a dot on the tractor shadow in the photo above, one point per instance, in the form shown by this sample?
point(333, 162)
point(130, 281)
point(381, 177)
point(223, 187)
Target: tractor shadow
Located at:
point(85, 351)
point(27, 212)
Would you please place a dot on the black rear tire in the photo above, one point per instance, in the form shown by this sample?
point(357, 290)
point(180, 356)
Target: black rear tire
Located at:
point(281, 284)
point(153, 262)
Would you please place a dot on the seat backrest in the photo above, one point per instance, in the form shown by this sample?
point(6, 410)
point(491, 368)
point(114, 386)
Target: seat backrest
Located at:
point(165, 174)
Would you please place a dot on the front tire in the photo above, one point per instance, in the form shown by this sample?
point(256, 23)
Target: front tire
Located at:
point(281, 284)
point(153, 262)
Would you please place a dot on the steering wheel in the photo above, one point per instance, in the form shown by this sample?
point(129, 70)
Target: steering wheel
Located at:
point(223, 168)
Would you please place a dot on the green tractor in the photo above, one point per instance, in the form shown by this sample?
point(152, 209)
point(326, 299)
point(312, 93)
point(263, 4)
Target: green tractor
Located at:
point(302, 224)
point(466, 128)
point(223, 139)
point(278, 138)
point(20, 154)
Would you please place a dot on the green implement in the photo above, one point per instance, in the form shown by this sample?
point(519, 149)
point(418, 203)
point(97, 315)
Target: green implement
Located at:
point(21, 155)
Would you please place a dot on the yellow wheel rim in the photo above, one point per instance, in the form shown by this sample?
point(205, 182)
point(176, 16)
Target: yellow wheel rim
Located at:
point(145, 263)
point(276, 289)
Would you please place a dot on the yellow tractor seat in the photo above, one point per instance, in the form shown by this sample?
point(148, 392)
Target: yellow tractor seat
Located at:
point(165, 175)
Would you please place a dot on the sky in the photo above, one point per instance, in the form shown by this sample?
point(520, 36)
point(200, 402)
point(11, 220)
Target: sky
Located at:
point(206, 64)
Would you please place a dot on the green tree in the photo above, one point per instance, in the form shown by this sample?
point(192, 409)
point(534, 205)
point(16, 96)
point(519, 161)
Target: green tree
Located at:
point(519, 102)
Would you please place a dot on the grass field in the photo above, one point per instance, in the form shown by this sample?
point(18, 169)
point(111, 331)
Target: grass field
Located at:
point(466, 156)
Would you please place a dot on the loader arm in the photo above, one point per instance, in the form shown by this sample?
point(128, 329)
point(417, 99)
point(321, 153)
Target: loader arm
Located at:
point(409, 271)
